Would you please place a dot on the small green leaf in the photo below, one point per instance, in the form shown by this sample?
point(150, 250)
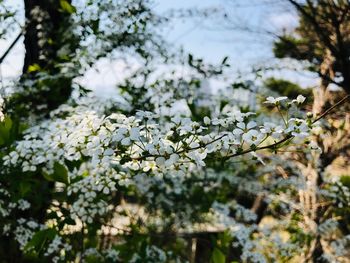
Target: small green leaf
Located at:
point(67, 7)
point(95, 24)
point(5, 129)
point(33, 68)
point(345, 180)
point(60, 174)
point(39, 239)
point(218, 256)
point(69, 221)
point(24, 188)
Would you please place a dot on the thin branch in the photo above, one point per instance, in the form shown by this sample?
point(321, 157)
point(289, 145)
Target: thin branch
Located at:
point(182, 151)
point(10, 47)
point(326, 77)
point(332, 108)
point(288, 137)
point(270, 146)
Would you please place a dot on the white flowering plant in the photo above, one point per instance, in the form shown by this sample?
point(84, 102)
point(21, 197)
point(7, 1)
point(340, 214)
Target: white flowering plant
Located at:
point(171, 172)
point(95, 163)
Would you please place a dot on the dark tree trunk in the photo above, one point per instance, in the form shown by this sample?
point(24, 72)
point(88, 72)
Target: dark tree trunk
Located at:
point(31, 44)
point(47, 29)
point(46, 22)
point(44, 35)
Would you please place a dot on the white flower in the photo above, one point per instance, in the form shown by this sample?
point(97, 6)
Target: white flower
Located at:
point(298, 128)
point(248, 126)
point(216, 121)
point(120, 134)
point(126, 141)
point(149, 166)
point(236, 115)
point(146, 114)
point(243, 127)
point(160, 161)
point(108, 152)
point(206, 120)
point(272, 129)
point(172, 159)
point(226, 142)
point(6, 228)
point(176, 119)
point(198, 156)
point(186, 126)
point(133, 165)
point(112, 254)
point(272, 100)
point(134, 134)
point(23, 204)
point(253, 137)
point(314, 147)
point(299, 100)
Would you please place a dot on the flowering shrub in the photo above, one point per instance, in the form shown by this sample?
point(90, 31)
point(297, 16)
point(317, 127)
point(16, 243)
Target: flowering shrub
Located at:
point(98, 161)
point(171, 172)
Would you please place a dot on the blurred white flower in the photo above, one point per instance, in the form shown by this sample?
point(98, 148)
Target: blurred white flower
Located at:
point(272, 100)
point(299, 100)
point(206, 120)
point(272, 129)
point(252, 137)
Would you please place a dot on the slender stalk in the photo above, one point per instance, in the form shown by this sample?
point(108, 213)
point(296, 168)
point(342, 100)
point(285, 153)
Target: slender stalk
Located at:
point(331, 108)
point(82, 244)
point(284, 120)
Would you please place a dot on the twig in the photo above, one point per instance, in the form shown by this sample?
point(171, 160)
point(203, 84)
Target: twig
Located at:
point(290, 136)
point(331, 108)
point(270, 146)
point(10, 47)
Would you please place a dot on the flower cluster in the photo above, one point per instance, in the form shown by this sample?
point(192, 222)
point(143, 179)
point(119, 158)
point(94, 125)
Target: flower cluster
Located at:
point(57, 248)
point(93, 157)
point(117, 143)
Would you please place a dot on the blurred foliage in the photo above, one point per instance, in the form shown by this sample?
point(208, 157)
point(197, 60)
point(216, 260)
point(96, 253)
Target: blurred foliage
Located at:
point(287, 88)
point(321, 39)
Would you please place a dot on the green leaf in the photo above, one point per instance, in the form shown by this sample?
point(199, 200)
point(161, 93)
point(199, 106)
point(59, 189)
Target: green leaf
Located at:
point(39, 239)
point(5, 129)
point(33, 68)
point(218, 256)
point(67, 7)
point(95, 24)
point(60, 174)
point(345, 180)
point(24, 188)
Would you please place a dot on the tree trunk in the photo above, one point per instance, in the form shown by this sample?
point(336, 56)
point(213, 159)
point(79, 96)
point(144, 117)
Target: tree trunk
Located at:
point(47, 30)
point(44, 30)
point(321, 94)
point(321, 98)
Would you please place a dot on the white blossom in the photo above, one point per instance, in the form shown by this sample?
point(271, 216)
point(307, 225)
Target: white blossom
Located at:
point(275, 101)
point(252, 137)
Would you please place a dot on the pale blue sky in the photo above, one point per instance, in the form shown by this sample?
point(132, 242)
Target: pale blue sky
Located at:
point(210, 39)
